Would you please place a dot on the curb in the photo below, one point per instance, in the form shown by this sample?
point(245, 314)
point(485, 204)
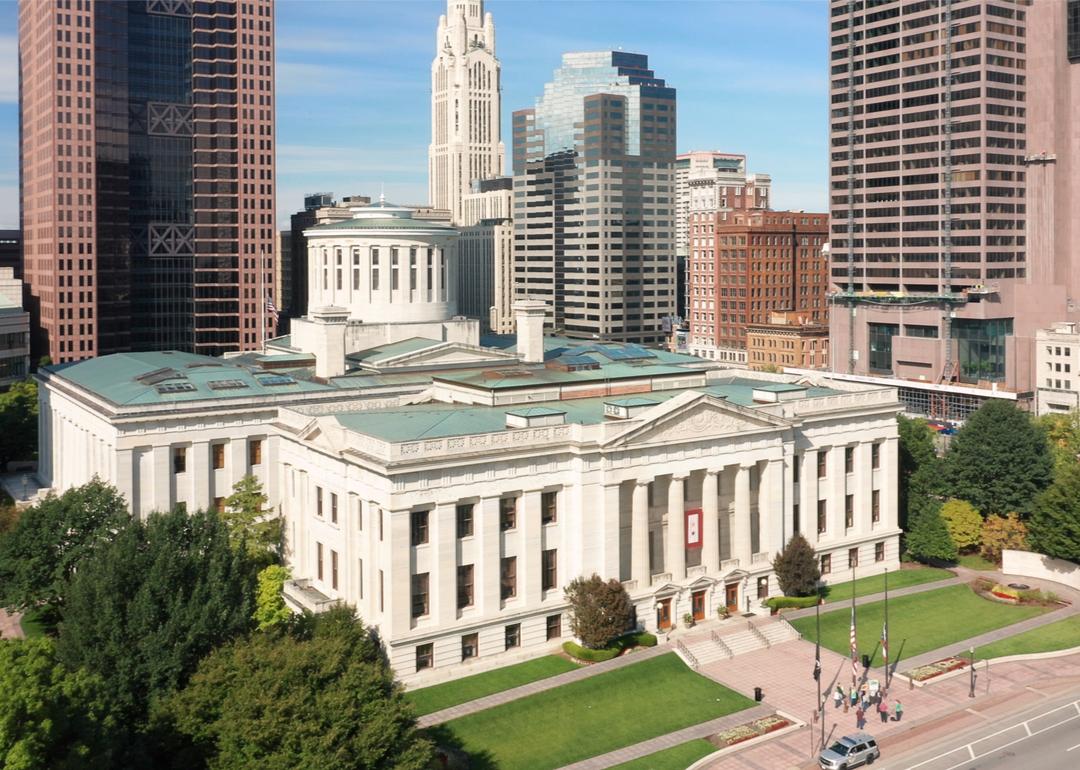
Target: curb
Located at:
point(987, 661)
point(796, 724)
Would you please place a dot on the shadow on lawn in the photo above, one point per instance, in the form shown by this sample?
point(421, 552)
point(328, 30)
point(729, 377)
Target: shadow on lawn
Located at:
point(450, 754)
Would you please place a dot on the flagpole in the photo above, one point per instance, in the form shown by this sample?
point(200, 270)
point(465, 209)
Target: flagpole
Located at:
point(817, 667)
point(854, 640)
point(885, 646)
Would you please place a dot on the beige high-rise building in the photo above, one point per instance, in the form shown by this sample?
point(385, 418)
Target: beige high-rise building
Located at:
point(465, 106)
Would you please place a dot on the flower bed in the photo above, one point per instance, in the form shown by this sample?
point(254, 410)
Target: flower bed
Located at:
point(937, 668)
point(750, 730)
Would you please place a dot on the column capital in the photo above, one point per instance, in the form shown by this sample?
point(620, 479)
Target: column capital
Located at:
point(747, 466)
point(642, 482)
point(680, 476)
point(713, 471)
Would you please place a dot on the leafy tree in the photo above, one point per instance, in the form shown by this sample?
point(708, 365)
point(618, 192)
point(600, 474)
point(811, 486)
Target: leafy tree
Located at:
point(963, 522)
point(1054, 527)
point(928, 539)
point(50, 718)
point(270, 609)
point(18, 423)
point(920, 469)
point(600, 610)
point(9, 514)
point(251, 524)
point(1001, 532)
point(143, 610)
point(289, 700)
point(1063, 437)
point(999, 461)
point(51, 539)
point(796, 568)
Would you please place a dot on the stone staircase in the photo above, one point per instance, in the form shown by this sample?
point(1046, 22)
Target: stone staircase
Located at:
point(703, 648)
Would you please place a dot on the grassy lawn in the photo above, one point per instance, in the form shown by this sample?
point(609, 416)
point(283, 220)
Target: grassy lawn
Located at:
point(974, 561)
point(591, 716)
point(1054, 636)
point(676, 758)
point(876, 584)
point(440, 696)
point(918, 623)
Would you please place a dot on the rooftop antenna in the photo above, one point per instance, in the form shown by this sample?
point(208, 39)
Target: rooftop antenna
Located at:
point(382, 193)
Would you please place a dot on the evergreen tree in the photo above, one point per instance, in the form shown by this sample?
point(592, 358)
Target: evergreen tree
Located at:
point(143, 610)
point(251, 524)
point(999, 461)
point(963, 522)
point(600, 611)
point(919, 474)
point(796, 568)
point(1054, 527)
point(290, 700)
point(928, 539)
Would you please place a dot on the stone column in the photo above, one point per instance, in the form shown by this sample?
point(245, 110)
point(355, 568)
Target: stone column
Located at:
point(863, 479)
point(808, 495)
point(770, 511)
point(529, 563)
point(162, 479)
point(639, 534)
point(199, 472)
point(837, 490)
point(710, 523)
point(442, 581)
point(676, 545)
point(740, 524)
point(888, 483)
point(486, 568)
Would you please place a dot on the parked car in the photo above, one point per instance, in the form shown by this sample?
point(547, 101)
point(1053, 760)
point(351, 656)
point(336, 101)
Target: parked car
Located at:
point(850, 751)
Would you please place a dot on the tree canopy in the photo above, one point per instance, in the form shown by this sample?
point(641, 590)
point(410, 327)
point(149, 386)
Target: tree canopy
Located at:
point(928, 539)
point(52, 538)
point(51, 718)
point(796, 568)
point(288, 700)
point(18, 423)
point(144, 609)
point(600, 610)
point(963, 522)
point(251, 524)
point(270, 609)
point(1054, 527)
point(919, 471)
point(1001, 532)
point(999, 461)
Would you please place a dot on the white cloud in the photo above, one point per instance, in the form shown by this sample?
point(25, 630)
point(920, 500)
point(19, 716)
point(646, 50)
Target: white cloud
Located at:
point(9, 69)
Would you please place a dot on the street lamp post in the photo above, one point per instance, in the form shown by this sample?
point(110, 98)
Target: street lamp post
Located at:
point(971, 692)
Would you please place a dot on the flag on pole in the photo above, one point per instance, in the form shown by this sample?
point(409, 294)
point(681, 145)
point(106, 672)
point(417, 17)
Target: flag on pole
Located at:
point(885, 643)
point(271, 309)
point(854, 648)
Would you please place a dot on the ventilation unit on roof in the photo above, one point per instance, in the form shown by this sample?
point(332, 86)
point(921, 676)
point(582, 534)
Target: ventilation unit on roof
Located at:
point(778, 392)
point(625, 408)
point(175, 387)
point(270, 380)
point(534, 417)
point(227, 384)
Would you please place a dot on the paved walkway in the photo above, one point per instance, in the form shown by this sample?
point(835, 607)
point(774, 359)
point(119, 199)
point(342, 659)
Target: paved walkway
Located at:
point(499, 698)
point(643, 749)
point(10, 627)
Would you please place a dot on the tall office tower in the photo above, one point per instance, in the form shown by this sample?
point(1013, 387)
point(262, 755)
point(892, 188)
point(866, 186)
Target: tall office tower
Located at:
point(466, 104)
point(594, 206)
point(147, 174)
point(933, 106)
point(747, 265)
point(486, 255)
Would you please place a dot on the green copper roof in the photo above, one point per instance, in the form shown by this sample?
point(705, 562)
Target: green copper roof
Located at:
point(382, 352)
point(388, 223)
point(780, 387)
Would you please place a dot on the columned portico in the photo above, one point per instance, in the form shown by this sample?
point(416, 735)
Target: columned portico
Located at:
point(639, 548)
point(675, 563)
point(710, 524)
point(740, 523)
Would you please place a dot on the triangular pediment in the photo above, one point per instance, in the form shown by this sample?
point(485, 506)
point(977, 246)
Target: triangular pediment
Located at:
point(693, 416)
point(703, 582)
point(321, 434)
point(446, 353)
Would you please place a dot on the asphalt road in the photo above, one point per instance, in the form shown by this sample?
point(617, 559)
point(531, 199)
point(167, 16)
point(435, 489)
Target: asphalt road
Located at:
point(1046, 736)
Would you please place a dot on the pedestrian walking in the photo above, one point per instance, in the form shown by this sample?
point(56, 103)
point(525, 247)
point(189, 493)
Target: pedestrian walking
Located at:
point(854, 696)
point(899, 710)
point(883, 709)
point(865, 702)
point(860, 719)
point(838, 696)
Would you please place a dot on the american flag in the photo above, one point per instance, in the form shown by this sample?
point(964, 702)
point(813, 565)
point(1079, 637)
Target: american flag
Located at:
point(854, 648)
point(885, 643)
point(271, 309)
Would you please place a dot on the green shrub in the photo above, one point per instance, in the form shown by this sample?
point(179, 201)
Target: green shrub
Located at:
point(575, 650)
point(645, 639)
point(784, 602)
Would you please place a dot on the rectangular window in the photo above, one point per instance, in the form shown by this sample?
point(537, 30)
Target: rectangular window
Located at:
point(554, 627)
point(881, 336)
point(822, 462)
point(420, 595)
point(425, 656)
point(380, 525)
point(795, 516)
point(821, 516)
point(762, 587)
point(469, 646)
point(255, 451)
point(318, 502)
point(394, 268)
point(795, 468)
point(853, 558)
point(879, 551)
point(826, 564)
point(382, 606)
point(333, 569)
point(412, 270)
point(549, 569)
point(419, 528)
point(508, 577)
point(465, 520)
point(875, 456)
point(849, 459)
point(464, 586)
point(875, 506)
point(849, 511)
point(507, 513)
point(318, 561)
point(218, 451)
point(374, 269)
point(179, 459)
point(512, 636)
point(360, 576)
point(219, 504)
point(333, 507)
point(549, 513)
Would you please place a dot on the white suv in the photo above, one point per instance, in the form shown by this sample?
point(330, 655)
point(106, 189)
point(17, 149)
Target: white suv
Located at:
point(850, 751)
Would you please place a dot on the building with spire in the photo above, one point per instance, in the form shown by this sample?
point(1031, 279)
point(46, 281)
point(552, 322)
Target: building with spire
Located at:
point(465, 106)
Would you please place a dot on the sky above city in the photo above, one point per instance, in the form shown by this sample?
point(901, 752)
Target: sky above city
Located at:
point(353, 86)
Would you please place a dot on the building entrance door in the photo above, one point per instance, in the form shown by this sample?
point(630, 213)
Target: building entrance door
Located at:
point(697, 605)
point(663, 614)
point(731, 597)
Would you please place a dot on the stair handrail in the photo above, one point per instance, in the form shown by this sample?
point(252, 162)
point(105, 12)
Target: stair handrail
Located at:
point(760, 636)
point(686, 653)
point(722, 645)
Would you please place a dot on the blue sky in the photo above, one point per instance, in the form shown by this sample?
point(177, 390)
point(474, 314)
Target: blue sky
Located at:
point(353, 83)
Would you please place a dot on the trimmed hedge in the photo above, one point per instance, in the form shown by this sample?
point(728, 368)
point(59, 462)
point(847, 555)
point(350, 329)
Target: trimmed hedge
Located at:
point(784, 602)
point(615, 648)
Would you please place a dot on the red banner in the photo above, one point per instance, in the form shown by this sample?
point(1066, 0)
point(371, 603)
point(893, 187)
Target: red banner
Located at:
point(693, 528)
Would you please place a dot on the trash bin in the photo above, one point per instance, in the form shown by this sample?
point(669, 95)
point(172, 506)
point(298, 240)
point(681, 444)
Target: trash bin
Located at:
point(758, 695)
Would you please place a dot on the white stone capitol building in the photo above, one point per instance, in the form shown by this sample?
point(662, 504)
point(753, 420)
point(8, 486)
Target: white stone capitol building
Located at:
point(449, 487)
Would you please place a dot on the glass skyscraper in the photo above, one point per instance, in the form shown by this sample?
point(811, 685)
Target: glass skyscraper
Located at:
point(594, 198)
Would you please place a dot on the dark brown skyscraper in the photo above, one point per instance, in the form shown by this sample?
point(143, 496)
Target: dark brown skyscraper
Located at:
point(147, 173)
